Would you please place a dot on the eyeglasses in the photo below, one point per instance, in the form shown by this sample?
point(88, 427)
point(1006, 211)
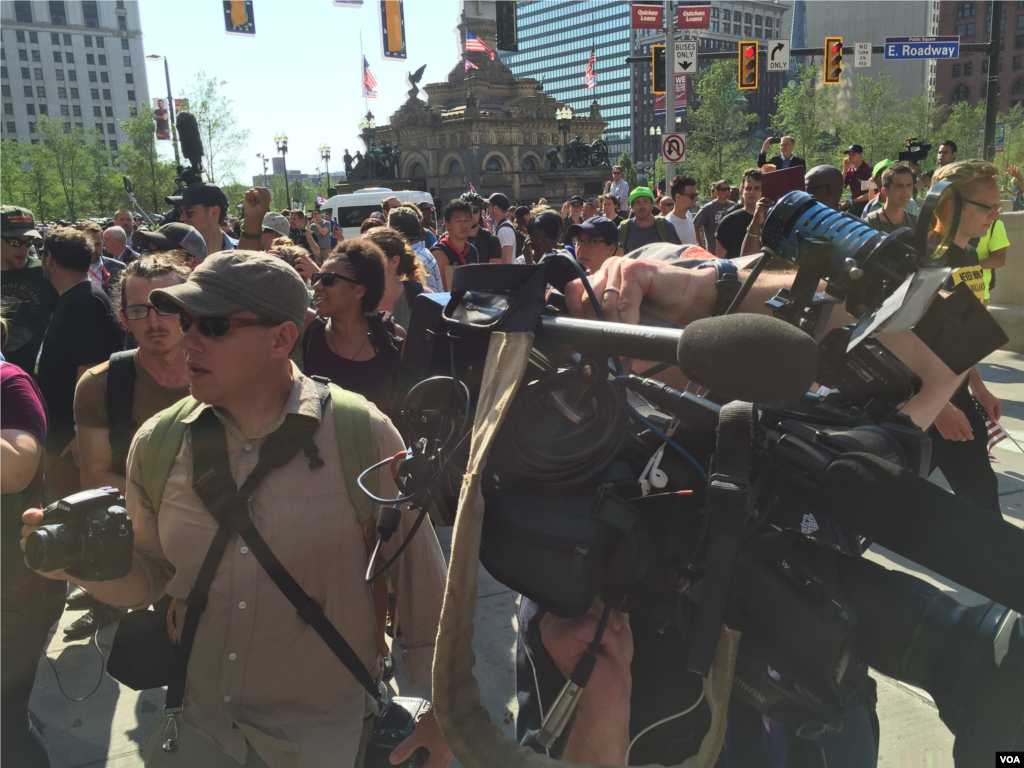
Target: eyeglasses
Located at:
point(691, 195)
point(15, 242)
point(328, 278)
point(214, 327)
point(989, 209)
point(475, 210)
point(188, 213)
point(141, 311)
point(721, 189)
point(616, 173)
point(587, 242)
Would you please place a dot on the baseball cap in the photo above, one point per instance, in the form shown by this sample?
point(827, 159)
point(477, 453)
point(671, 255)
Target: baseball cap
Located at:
point(229, 282)
point(598, 226)
point(641, 192)
point(276, 222)
point(200, 193)
point(576, 199)
point(17, 222)
point(856, 148)
point(425, 206)
point(499, 200)
point(876, 172)
point(170, 237)
point(522, 210)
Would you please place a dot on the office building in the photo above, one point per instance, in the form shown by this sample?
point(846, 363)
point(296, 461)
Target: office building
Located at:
point(80, 61)
point(966, 78)
point(872, 23)
point(555, 39)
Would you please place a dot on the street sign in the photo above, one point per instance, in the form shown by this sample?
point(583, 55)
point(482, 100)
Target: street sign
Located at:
point(686, 57)
point(778, 55)
point(647, 16)
point(673, 148)
point(922, 47)
point(694, 15)
point(861, 55)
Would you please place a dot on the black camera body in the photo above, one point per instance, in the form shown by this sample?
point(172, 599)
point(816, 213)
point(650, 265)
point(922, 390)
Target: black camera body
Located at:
point(396, 722)
point(87, 534)
point(915, 152)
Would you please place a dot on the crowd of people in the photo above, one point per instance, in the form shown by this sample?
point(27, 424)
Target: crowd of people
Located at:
point(107, 326)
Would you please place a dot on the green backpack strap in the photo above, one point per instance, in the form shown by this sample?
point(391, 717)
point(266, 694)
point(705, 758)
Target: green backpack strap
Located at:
point(659, 223)
point(356, 447)
point(623, 233)
point(163, 447)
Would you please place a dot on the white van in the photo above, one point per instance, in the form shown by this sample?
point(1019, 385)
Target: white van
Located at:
point(350, 211)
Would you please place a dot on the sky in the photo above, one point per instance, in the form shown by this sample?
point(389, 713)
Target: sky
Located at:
point(301, 73)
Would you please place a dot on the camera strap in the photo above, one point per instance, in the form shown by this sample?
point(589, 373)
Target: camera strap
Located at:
point(728, 504)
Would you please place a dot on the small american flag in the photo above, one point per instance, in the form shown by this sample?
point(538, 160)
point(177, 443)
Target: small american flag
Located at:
point(590, 76)
point(470, 65)
point(369, 81)
point(996, 435)
point(320, 200)
point(474, 43)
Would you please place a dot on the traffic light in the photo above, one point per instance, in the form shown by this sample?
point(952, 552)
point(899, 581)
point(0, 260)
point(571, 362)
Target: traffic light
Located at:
point(833, 60)
point(748, 66)
point(657, 68)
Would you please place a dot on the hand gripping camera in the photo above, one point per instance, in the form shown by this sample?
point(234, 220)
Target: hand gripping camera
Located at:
point(87, 534)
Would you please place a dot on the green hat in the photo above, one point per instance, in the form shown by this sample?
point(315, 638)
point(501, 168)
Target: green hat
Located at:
point(876, 172)
point(229, 282)
point(17, 222)
point(641, 192)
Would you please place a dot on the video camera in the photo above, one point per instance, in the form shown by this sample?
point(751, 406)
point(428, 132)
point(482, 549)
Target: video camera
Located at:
point(192, 148)
point(915, 152)
point(617, 486)
point(87, 534)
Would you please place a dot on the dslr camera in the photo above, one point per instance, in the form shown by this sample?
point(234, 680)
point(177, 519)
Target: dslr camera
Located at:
point(87, 534)
point(915, 152)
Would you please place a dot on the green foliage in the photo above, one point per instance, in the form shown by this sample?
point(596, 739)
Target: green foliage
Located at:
point(235, 194)
point(965, 126)
point(628, 169)
point(807, 112)
point(223, 140)
point(718, 125)
point(69, 155)
point(152, 178)
point(656, 174)
point(1013, 152)
point(11, 176)
point(879, 120)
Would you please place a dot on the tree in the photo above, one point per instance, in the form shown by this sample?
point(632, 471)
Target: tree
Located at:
point(719, 122)
point(879, 121)
point(222, 139)
point(657, 173)
point(628, 169)
point(807, 112)
point(12, 155)
point(41, 185)
point(69, 155)
point(106, 185)
point(152, 178)
point(966, 127)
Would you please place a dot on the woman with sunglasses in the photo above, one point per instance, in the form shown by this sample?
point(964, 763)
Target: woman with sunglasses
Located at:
point(349, 342)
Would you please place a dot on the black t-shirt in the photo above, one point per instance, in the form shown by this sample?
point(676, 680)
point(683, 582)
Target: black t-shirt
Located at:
point(28, 300)
point(487, 246)
point(732, 229)
point(82, 331)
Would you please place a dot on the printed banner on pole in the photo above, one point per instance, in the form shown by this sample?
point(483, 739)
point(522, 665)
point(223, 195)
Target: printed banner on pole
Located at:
point(659, 100)
point(647, 16)
point(238, 18)
point(162, 118)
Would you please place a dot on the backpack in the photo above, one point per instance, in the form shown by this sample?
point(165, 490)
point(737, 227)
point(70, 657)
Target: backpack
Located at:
point(520, 237)
point(356, 447)
point(659, 223)
point(121, 377)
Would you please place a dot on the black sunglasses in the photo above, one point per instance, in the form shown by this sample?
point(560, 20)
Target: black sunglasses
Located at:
point(141, 311)
point(214, 327)
point(15, 242)
point(328, 278)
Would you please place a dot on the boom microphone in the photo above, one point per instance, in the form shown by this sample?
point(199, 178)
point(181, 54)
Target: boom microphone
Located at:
point(754, 358)
point(929, 525)
point(191, 141)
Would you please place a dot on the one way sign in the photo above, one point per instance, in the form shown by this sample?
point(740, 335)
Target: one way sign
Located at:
point(686, 57)
point(778, 55)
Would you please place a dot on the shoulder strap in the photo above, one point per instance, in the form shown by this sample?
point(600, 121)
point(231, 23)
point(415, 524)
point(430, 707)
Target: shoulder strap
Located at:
point(659, 222)
point(163, 447)
point(307, 336)
point(356, 446)
point(623, 233)
point(120, 399)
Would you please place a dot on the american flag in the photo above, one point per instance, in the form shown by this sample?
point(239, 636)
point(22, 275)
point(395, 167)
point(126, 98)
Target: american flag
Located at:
point(589, 75)
point(320, 200)
point(474, 43)
point(369, 81)
point(996, 435)
point(470, 65)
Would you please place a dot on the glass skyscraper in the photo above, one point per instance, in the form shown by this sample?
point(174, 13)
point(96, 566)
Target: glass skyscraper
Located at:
point(555, 40)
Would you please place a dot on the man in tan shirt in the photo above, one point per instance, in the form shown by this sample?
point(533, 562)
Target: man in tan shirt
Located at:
point(263, 688)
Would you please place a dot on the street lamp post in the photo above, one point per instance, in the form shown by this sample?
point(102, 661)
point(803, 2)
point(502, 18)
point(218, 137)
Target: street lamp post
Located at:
point(170, 106)
point(282, 147)
point(263, 157)
point(564, 118)
point(325, 155)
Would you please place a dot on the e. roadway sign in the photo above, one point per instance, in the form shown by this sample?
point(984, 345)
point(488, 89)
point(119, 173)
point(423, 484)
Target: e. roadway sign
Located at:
point(922, 47)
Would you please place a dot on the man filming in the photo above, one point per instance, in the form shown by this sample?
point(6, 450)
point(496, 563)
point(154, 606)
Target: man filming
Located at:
point(205, 207)
point(262, 687)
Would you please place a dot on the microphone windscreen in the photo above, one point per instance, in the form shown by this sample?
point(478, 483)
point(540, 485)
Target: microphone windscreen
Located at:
point(188, 135)
point(754, 358)
point(926, 523)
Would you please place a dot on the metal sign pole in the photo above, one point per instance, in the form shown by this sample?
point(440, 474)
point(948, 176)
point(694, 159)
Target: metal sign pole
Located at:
point(670, 84)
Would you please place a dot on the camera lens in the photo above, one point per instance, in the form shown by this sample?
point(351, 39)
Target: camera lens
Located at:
point(53, 548)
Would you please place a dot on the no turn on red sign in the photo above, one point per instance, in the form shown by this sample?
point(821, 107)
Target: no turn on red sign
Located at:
point(673, 148)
